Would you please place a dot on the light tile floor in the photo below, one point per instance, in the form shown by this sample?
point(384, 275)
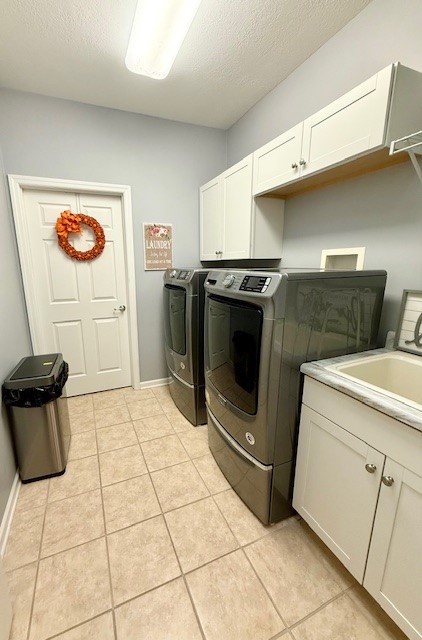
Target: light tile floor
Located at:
point(143, 539)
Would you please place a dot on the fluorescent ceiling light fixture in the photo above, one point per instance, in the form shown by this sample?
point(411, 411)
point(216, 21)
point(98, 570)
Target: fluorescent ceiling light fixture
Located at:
point(158, 31)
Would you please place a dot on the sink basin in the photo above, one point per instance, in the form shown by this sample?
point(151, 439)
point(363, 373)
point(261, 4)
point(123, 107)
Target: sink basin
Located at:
point(397, 375)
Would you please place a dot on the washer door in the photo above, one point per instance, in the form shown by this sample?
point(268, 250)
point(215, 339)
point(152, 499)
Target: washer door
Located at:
point(233, 350)
point(178, 313)
point(175, 318)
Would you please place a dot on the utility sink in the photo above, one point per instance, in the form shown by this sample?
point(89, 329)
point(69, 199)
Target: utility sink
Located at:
point(396, 374)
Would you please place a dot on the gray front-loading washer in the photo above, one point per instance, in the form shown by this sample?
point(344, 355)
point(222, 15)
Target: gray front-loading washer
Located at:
point(184, 340)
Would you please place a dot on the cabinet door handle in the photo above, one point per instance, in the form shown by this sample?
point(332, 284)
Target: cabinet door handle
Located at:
point(387, 480)
point(371, 468)
point(294, 165)
point(302, 162)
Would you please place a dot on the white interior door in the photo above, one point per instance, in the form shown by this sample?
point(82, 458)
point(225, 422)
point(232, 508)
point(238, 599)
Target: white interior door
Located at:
point(76, 304)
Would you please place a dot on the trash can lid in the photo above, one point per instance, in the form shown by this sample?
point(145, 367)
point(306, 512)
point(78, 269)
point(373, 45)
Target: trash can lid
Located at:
point(35, 371)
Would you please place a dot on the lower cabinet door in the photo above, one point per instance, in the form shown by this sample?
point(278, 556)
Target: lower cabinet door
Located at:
point(394, 570)
point(336, 488)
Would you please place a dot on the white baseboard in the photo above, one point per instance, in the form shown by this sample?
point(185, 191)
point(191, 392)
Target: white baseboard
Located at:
point(160, 382)
point(8, 513)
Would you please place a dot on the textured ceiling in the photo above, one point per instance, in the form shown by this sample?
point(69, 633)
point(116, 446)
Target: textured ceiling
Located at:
point(235, 52)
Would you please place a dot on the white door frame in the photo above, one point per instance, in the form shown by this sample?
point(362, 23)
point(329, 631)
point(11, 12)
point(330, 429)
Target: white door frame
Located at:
point(17, 186)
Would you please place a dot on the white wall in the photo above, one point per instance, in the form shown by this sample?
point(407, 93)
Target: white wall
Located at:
point(14, 337)
point(381, 211)
point(164, 162)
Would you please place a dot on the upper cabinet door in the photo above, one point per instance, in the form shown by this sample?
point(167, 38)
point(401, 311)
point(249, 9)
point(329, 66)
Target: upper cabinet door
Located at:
point(237, 208)
point(277, 162)
point(349, 126)
point(394, 570)
point(211, 220)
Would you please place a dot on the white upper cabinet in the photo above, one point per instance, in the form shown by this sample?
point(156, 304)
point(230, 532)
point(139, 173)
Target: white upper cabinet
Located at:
point(211, 221)
point(233, 224)
point(277, 162)
point(349, 126)
point(348, 137)
point(237, 210)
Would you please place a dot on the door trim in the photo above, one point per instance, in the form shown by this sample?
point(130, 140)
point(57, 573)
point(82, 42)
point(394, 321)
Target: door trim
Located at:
point(18, 184)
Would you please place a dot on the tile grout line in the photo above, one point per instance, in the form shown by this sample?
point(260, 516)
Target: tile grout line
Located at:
point(265, 589)
point(75, 546)
point(241, 547)
point(180, 566)
point(177, 557)
point(76, 626)
point(106, 539)
point(50, 555)
point(315, 611)
point(309, 615)
point(38, 564)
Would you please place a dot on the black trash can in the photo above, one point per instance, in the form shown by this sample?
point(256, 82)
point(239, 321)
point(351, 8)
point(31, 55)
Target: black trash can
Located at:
point(39, 417)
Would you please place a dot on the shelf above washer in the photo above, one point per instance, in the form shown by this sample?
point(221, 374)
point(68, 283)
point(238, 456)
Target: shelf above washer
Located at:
point(412, 144)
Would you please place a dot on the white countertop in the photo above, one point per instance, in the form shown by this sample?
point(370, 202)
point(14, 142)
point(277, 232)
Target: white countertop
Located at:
point(358, 390)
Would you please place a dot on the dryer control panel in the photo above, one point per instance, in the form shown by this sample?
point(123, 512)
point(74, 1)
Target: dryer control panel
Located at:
point(238, 282)
point(257, 284)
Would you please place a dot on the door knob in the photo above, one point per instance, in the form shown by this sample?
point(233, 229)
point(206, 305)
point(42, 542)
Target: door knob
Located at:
point(294, 165)
point(387, 480)
point(121, 308)
point(371, 468)
point(302, 162)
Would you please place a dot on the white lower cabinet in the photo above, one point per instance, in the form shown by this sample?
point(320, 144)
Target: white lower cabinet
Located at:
point(394, 571)
point(365, 506)
point(334, 492)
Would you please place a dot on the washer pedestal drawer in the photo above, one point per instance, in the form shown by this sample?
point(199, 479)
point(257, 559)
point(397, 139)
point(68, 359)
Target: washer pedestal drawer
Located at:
point(249, 478)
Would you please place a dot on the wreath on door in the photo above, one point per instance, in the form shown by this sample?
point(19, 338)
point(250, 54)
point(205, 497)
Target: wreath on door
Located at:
point(69, 222)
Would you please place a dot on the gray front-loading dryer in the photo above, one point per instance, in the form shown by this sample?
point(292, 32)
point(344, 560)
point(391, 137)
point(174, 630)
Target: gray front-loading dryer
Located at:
point(184, 339)
point(259, 328)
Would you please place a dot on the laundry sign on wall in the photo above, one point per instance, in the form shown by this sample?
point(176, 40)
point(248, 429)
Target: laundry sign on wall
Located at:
point(158, 246)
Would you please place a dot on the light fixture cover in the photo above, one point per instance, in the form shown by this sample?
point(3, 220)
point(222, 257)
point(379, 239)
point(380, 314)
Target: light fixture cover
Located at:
point(158, 30)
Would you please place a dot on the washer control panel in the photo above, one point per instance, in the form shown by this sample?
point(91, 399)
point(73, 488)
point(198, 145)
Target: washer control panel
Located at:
point(183, 275)
point(257, 284)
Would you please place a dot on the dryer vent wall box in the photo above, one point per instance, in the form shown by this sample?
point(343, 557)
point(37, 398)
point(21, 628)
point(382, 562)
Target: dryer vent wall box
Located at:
point(348, 259)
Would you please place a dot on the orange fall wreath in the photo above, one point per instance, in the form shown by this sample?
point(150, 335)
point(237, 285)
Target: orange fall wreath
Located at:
point(71, 223)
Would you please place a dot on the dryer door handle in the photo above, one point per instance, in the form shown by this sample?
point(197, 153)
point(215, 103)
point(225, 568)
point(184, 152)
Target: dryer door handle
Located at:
point(222, 400)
